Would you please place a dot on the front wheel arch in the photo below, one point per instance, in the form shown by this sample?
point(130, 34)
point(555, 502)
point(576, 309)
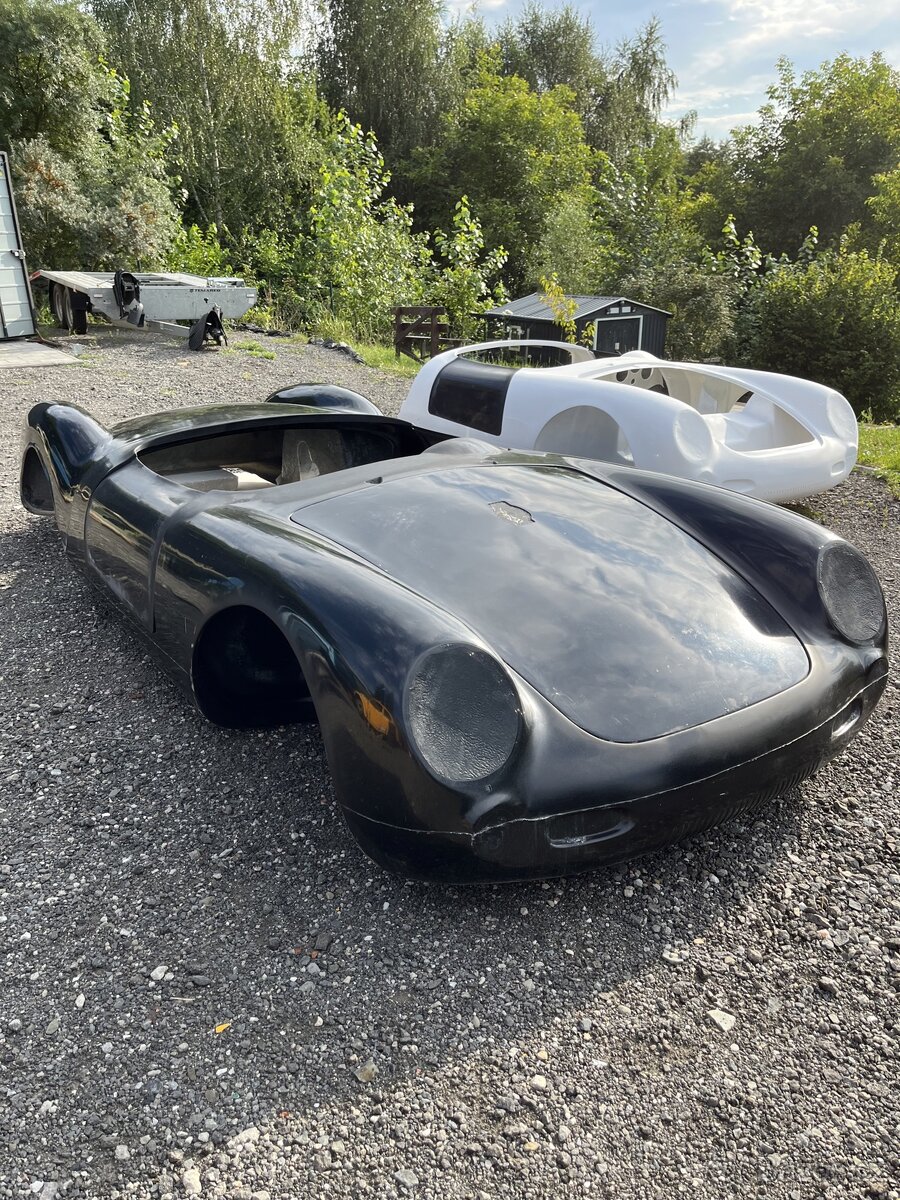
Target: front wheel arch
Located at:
point(245, 673)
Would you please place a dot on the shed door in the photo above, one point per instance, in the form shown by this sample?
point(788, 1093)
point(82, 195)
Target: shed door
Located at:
point(16, 317)
point(617, 335)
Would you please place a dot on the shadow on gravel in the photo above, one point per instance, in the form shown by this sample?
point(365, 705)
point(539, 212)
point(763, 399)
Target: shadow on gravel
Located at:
point(237, 958)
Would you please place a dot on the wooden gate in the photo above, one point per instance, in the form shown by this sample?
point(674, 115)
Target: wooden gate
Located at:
point(420, 332)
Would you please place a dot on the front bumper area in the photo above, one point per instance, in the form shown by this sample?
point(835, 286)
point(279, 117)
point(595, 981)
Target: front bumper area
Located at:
point(569, 842)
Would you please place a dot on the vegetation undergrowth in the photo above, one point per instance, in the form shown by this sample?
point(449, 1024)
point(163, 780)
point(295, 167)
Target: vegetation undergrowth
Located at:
point(385, 359)
point(879, 447)
point(254, 349)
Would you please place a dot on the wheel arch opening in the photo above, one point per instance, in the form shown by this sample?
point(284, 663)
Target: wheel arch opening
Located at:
point(587, 431)
point(245, 673)
point(35, 487)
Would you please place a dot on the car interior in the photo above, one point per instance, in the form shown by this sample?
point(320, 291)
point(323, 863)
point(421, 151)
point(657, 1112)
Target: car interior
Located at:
point(741, 419)
point(277, 453)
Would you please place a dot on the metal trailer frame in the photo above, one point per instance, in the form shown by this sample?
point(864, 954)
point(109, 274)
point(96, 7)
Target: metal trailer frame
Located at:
point(167, 298)
point(17, 317)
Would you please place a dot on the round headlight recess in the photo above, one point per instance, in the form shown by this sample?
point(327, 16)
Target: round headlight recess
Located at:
point(463, 713)
point(692, 436)
point(842, 418)
point(850, 592)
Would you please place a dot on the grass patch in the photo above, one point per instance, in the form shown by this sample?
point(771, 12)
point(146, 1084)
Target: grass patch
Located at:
point(879, 447)
point(254, 349)
point(373, 354)
point(385, 359)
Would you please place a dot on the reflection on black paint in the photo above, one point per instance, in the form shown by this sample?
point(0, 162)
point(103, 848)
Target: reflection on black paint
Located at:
point(628, 625)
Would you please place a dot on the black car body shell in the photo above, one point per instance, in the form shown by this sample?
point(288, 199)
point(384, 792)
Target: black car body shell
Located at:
point(365, 570)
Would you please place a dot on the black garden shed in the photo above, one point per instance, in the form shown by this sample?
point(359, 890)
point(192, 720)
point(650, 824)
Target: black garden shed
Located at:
point(620, 324)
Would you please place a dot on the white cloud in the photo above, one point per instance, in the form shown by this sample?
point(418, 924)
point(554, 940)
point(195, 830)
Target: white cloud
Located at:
point(791, 18)
point(725, 63)
point(775, 25)
point(462, 7)
point(720, 127)
point(719, 92)
point(724, 51)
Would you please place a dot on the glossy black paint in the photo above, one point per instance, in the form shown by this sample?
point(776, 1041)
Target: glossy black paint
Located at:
point(722, 647)
point(324, 396)
point(673, 658)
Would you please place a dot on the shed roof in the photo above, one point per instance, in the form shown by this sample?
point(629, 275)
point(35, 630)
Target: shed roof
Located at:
point(534, 307)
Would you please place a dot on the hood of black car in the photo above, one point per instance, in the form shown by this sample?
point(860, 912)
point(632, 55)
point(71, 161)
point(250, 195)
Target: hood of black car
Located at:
point(625, 623)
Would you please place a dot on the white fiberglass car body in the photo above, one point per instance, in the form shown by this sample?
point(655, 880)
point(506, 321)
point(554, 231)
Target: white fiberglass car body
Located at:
point(765, 435)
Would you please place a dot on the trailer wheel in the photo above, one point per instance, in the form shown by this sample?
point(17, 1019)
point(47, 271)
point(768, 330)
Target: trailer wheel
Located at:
point(61, 304)
point(56, 291)
point(65, 304)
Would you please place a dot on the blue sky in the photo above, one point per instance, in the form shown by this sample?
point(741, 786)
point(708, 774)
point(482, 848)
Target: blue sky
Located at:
point(724, 51)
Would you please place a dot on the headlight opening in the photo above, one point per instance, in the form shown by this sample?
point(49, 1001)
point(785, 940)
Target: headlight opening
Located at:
point(850, 592)
point(463, 713)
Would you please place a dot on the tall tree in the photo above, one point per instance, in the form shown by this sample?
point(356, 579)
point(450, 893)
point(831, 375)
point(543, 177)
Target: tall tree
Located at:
point(618, 94)
point(548, 48)
point(627, 110)
point(87, 162)
point(51, 85)
point(812, 157)
point(247, 149)
point(382, 62)
point(513, 152)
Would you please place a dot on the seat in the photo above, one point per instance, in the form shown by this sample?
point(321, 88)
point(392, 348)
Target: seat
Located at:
point(309, 453)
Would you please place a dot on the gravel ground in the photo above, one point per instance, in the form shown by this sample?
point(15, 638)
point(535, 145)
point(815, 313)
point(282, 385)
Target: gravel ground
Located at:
point(208, 990)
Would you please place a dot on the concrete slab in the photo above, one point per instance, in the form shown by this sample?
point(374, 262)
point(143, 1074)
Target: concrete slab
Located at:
point(32, 354)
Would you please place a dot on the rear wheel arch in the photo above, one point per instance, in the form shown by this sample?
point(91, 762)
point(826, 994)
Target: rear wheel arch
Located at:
point(35, 487)
point(588, 431)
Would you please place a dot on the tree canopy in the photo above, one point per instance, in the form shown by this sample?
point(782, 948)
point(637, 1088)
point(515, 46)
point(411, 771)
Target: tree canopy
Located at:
point(219, 72)
point(513, 151)
point(813, 155)
point(383, 64)
point(87, 161)
point(353, 154)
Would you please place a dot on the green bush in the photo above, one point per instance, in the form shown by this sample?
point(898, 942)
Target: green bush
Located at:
point(88, 164)
point(107, 209)
point(361, 256)
point(198, 252)
point(463, 284)
point(835, 319)
point(702, 305)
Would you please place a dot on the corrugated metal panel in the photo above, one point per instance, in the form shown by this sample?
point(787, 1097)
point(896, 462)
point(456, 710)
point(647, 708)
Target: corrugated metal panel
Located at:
point(654, 333)
point(16, 318)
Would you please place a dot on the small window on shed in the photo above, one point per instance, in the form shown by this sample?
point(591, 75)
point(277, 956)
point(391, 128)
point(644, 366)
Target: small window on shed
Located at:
point(471, 393)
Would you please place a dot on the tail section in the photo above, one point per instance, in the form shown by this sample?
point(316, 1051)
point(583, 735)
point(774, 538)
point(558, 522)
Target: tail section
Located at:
point(62, 446)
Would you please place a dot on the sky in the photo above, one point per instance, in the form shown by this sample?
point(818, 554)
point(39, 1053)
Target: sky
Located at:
point(724, 52)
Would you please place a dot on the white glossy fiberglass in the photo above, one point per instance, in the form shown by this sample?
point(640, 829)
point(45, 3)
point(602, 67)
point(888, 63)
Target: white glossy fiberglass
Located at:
point(772, 436)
